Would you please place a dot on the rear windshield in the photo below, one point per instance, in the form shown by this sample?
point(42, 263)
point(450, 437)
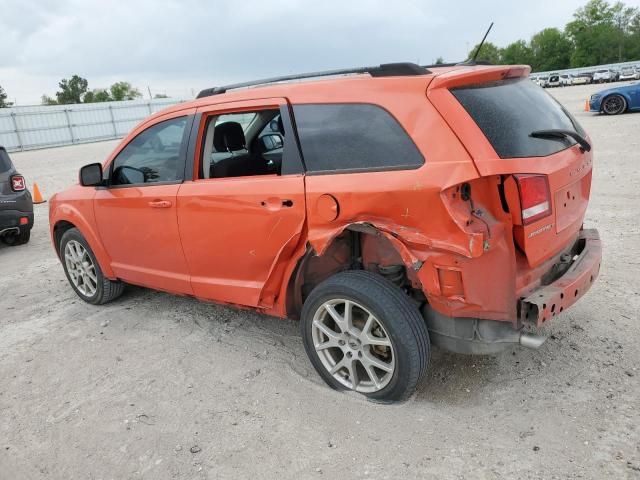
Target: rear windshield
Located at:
point(5, 162)
point(508, 111)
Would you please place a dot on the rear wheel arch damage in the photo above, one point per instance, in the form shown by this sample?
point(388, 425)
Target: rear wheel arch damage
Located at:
point(356, 247)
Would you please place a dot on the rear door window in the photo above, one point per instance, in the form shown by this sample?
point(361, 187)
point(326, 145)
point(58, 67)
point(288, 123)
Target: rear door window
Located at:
point(353, 137)
point(508, 112)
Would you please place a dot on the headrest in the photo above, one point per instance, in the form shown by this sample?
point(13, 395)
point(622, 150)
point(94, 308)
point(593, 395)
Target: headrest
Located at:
point(228, 137)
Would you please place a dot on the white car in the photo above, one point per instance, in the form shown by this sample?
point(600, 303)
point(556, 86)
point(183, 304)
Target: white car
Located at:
point(566, 80)
point(542, 81)
point(602, 76)
point(582, 79)
point(630, 73)
point(554, 80)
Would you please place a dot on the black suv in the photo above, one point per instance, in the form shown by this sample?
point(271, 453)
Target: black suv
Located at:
point(16, 206)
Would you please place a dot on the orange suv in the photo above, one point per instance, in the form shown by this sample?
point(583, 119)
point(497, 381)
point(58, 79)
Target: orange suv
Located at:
point(387, 208)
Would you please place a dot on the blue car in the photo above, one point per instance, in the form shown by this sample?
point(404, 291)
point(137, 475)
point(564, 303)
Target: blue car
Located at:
point(614, 101)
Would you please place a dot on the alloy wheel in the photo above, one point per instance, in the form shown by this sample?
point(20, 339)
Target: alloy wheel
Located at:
point(353, 345)
point(81, 268)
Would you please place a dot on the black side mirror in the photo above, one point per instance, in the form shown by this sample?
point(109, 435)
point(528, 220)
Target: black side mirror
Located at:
point(271, 141)
point(91, 175)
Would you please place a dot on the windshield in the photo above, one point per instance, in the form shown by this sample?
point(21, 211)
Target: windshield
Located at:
point(508, 112)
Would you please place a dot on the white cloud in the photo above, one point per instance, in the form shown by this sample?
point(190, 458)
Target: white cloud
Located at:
point(174, 46)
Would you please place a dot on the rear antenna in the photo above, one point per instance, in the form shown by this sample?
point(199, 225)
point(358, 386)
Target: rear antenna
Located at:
point(475, 55)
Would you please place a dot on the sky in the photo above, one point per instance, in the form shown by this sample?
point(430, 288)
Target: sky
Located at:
point(178, 47)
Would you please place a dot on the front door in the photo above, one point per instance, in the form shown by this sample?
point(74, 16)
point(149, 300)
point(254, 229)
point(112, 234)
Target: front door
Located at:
point(244, 210)
point(136, 212)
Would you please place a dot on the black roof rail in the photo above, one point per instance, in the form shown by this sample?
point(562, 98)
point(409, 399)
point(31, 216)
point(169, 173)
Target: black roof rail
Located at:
point(468, 63)
point(384, 70)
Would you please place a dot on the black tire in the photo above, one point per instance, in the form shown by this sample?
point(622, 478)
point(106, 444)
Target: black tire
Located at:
point(398, 315)
point(106, 290)
point(614, 105)
point(19, 239)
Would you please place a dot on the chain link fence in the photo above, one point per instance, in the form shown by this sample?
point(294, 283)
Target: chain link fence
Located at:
point(32, 127)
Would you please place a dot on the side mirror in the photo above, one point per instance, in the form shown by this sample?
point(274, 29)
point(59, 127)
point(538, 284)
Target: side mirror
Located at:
point(271, 141)
point(91, 175)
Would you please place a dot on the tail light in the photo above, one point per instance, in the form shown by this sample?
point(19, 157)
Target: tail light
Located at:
point(535, 197)
point(18, 184)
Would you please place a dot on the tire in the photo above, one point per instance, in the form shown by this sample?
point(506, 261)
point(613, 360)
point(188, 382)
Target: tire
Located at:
point(397, 330)
point(83, 271)
point(19, 239)
point(614, 105)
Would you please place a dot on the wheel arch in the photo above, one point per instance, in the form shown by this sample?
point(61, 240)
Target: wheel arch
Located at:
point(356, 246)
point(69, 218)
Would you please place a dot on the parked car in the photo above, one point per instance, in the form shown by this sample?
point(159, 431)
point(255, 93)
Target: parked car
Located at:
point(543, 80)
point(16, 206)
point(616, 100)
point(630, 73)
point(566, 80)
point(554, 80)
point(377, 235)
point(582, 79)
point(605, 75)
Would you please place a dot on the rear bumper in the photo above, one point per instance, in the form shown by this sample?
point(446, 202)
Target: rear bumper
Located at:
point(548, 301)
point(10, 219)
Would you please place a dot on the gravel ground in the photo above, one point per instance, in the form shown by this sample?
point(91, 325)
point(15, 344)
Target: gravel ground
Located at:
point(157, 386)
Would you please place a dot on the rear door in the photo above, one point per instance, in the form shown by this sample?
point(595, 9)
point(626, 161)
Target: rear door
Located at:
point(494, 111)
point(238, 224)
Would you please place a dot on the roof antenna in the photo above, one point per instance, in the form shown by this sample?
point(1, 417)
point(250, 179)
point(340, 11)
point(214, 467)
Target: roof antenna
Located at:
point(475, 55)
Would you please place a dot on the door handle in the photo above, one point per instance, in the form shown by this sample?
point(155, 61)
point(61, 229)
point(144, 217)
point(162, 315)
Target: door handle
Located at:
point(160, 204)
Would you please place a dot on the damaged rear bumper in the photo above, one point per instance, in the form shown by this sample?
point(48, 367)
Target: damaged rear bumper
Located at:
point(547, 301)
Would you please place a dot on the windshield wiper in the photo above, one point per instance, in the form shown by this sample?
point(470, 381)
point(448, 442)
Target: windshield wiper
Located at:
point(560, 133)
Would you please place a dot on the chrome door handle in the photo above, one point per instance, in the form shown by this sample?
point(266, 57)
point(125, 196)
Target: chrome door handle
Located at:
point(160, 204)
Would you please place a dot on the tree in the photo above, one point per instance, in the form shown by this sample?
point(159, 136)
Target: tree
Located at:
point(3, 99)
point(97, 95)
point(160, 95)
point(47, 100)
point(72, 90)
point(551, 50)
point(488, 53)
point(124, 91)
point(439, 61)
point(517, 53)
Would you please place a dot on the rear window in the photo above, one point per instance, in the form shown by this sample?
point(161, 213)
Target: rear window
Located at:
point(508, 111)
point(353, 137)
point(5, 161)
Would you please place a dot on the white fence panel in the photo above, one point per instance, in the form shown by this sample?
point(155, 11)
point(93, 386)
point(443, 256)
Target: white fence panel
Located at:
point(24, 128)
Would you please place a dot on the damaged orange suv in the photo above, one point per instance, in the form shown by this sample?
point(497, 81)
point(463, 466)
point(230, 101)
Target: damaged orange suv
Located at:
point(387, 208)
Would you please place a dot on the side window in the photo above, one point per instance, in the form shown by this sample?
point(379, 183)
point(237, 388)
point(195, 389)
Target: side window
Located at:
point(243, 144)
point(152, 156)
point(353, 137)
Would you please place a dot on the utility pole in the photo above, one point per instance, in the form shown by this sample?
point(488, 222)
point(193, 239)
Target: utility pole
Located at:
point(149, 90)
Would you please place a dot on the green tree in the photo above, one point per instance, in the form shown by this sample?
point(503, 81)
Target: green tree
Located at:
point(517, 53)
point(3, 99)
point(124, 91)
point(72, 90)
point(439, 61)
point(488, 53)
point(97, 95)
point(47, 100)
point(160, 95)
point(551, 50)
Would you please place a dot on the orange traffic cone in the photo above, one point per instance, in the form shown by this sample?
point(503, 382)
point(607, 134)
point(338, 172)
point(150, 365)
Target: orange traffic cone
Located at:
point(37, 196)
point(586, 106)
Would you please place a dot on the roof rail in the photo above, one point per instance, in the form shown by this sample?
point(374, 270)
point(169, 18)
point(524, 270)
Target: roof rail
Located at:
point(384, 70)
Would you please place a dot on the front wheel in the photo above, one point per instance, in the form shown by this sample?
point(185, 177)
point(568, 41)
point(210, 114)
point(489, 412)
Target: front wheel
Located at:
point(614, 105)
point(363, 333)
point(83, 271)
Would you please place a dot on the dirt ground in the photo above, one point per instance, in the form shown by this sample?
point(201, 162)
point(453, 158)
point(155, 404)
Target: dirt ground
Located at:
point(156, 386)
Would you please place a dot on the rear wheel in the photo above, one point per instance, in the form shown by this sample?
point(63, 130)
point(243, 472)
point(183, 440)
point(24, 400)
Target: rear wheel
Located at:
point(363, 333)
point(614, 105)
point(17, 239)
point(83, 271)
